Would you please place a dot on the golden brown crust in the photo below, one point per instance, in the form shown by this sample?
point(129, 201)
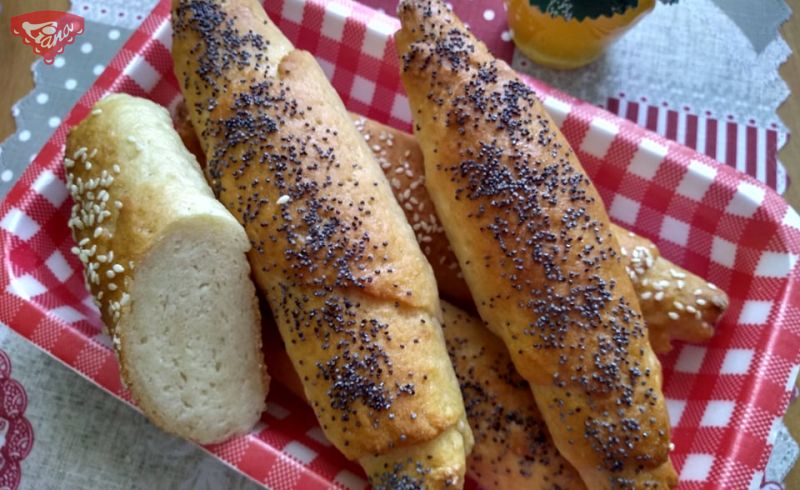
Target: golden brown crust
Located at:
point(353, 296)
point(533, 240)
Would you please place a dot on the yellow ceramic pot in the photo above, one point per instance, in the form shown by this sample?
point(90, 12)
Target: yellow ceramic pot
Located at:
point(559, 43)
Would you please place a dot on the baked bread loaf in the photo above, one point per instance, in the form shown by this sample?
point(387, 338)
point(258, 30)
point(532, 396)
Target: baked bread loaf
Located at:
point(676, 304)
point(534, 244)
point(166, 265)
point(352, 294)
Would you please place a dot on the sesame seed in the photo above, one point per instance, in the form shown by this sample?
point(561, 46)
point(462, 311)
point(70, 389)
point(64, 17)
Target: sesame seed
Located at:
point(701, 301)
point(79, 153)
point(677, 274)
point(283, 200)
point(112, 286)
point(659, 296)
point(116, 168)
point(98, 231)
point(680, 283)
point(678, 305)
point(118, 268)
point(110, 274)
point(646, 295)
point(673, 315)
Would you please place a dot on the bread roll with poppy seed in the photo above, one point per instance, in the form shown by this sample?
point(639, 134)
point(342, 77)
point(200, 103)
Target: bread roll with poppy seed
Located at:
point(534, 243)
point(676, 304)
point(353, 296)
point(166, 265)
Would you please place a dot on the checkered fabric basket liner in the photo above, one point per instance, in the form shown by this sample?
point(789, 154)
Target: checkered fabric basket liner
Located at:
point(724, 397)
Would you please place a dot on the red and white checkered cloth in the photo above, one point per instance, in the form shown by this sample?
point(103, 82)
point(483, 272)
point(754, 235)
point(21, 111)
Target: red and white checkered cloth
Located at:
point(724, 397)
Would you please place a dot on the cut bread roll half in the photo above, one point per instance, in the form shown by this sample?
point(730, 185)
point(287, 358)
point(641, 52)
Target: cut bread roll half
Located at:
point(166, 264)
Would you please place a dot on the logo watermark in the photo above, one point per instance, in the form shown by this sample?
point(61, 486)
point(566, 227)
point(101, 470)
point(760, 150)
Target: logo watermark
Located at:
point(47, 31)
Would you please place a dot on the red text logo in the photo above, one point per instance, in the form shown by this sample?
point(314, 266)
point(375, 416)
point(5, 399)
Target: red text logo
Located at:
point(47, 31)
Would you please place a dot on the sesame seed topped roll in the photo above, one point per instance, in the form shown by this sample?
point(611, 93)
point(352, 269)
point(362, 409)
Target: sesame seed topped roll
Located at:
point(352, 294)
point(677, 304)
point(534, 243)
point(166, 265)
